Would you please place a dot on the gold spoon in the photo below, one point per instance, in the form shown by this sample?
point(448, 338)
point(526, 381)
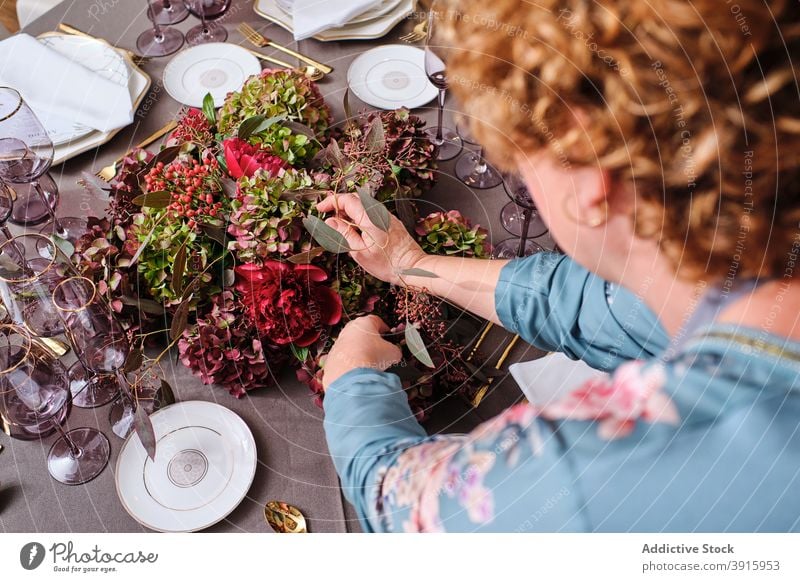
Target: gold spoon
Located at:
point(284, 518)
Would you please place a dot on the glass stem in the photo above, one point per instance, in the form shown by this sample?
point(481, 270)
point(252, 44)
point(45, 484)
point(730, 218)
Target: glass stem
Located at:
point(74, 450)
point(159, 36)
point(526, 223)
point(481, 167)
point(202, 7)
point(19, 256)
point(60, 230)
point(440, 124)
point(167, 5)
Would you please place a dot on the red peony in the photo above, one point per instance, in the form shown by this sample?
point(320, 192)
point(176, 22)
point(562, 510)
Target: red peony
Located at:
point(244, 159)
point(287, 303)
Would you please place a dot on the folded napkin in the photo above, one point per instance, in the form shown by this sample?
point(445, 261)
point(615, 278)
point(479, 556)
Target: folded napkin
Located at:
point(55, 86)
point(311, 17)
point(551, 377)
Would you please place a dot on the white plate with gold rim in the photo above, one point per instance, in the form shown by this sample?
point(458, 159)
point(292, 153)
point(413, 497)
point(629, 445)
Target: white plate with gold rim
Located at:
point(391, 76)
point(371, 29)
point(205, 463)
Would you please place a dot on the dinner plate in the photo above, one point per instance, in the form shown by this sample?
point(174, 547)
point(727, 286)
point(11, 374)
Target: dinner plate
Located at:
point(391, 76)
point(371, 29)
point(217, 68)
point(95, 55)
point(205, 463)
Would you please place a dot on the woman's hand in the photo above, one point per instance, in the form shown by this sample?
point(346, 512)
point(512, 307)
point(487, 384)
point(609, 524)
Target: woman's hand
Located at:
point(382, 254)
point(360, 345)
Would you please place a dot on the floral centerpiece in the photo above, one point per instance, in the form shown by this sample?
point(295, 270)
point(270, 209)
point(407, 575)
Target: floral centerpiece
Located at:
point(218, 235)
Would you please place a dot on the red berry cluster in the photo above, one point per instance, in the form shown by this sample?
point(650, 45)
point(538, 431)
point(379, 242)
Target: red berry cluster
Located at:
point(195, 187)
point(193, 127)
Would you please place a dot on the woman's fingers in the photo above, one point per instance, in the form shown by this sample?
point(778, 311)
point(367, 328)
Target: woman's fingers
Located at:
point(354, 240)
point(348, 205)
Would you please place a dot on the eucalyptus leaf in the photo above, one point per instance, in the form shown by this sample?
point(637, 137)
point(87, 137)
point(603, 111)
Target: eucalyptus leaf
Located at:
point(159, 199)
point(376, 212)
point(209, 110)
point(306, 257)
point(63, 245)
point(375, 137)
point(415, 272)
point(215, 233)
point(333, 155)
point(329, 238)
point(416, 344)
point(146, 305)
point(257, 124)
point(178, 269)
point(165, 395)
point(180, 320)
point(299, 129)
point(133, 362)
point(144, 428)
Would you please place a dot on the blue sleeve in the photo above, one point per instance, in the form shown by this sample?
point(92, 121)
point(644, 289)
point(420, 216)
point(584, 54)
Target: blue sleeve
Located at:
point(509, 474)
point(556, 305)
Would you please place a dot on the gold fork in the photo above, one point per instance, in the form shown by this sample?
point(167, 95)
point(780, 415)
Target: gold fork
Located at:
point(107, 174)
point(312, 73)
point(419, 32)
point(261, 41)
point(137, 59)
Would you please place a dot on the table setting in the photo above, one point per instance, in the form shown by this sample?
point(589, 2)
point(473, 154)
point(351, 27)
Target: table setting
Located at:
point(168, 289)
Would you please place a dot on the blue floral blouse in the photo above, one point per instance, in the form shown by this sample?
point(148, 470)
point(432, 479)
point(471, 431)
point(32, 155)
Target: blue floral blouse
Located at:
point(703, 439)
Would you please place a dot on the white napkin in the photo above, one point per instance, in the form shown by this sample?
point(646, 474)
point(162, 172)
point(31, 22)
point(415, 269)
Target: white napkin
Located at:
point(551, 377)
point(311, 17)
point(55, 86)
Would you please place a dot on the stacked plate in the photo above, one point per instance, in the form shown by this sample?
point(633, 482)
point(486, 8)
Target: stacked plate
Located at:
point(373, 23)
point(70, 138)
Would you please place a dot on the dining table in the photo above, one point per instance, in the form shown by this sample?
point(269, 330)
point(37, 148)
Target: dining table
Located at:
point(294, 465)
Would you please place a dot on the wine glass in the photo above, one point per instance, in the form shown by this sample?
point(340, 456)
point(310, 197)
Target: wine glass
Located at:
point(29, 209)
point(206, 11)
point(515, 247)
point(471, 167)
point(100, 342)
point(520, 209)
point(158, 41)
point(448, 144)
point(26, 153)
point(33, 389)
point(166, 12)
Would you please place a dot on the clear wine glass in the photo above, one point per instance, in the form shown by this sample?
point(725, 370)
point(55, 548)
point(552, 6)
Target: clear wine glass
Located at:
point(516, 247)
point(33, 389)
point(448, 144)
point(472, 168)
point(207, 11)
point(158, 41)
point(166, 12)
point(99, 341)
point(521, 208)
point(26, 153)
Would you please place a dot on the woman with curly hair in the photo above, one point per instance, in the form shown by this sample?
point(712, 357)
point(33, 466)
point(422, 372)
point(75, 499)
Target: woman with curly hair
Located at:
point(661, 143)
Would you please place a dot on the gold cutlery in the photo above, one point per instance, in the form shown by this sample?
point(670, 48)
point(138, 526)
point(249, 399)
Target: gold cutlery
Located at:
point(137, 59)
point(261, 41)
point(479, 395)
point(418, 33)
point(107, 174)
point(312, 73)
point(284, 518)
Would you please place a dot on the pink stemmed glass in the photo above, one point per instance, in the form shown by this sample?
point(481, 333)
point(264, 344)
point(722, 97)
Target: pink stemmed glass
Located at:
point(207, 11)
point(158, 41)
point(33, 389)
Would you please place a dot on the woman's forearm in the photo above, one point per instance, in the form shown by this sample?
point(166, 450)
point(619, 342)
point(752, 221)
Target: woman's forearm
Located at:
point(469, 283)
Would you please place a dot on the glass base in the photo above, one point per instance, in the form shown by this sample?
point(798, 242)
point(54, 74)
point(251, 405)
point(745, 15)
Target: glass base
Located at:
point(510, 249)
point(450, 145)
point(121, 414)
point(42, 430)
point(91, 391)
point(74, 228)
point(95, 450)
point(476, 173)
point(170, 41)
point(512, 217)
point(29, 210)
point(158, 13)
point(211, 32)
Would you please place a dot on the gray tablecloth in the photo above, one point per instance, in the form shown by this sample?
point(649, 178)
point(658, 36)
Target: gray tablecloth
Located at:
point(294, 465)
